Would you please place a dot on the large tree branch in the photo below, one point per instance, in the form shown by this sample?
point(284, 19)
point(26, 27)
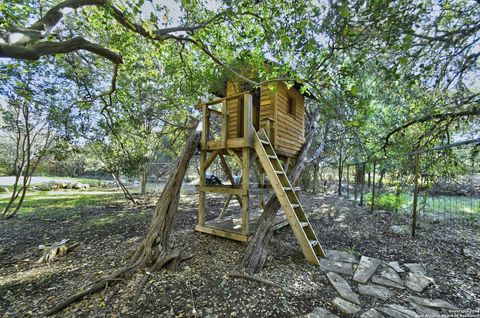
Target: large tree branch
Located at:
point(44, 26)
point(439, 117)
point(37, 50)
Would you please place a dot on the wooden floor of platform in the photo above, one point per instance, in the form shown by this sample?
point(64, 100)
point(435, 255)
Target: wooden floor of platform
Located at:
point(230, 226)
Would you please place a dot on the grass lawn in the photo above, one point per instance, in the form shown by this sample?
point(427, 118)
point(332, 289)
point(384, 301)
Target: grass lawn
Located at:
point(49, 204)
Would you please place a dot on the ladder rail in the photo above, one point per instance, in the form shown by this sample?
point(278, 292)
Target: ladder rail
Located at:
point(302, 229)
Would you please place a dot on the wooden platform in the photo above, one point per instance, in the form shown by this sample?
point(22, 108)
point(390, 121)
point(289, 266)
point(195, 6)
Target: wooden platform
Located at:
point(230, 226)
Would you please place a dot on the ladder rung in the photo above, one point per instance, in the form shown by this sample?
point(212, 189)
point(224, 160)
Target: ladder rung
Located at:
point(304, 224)
point(313, 242)
point(264, 141)
point(295, 206)
point(272, 156)
point(279, 172)
point(287, 189)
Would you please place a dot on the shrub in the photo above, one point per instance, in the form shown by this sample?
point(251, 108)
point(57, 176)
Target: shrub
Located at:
point(386, 201)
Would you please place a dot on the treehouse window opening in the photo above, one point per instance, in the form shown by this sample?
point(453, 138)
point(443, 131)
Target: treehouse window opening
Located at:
point(291, 106)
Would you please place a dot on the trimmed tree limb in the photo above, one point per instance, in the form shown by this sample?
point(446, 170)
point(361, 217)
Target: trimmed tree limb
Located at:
point(255, 279)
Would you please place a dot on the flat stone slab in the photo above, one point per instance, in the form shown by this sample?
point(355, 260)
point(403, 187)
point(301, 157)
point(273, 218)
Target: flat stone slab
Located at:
point(375, 291)
point(335, 266)
point(346, 306)
point(372, 313)
point(391, 274)
point(320, 312)
point(397, 311)
point(416, 268)
point(432, 303)
point(341, 256)
point(396, 267)
point(387, 282)
point(418, 282)
point(365, 269)
point(343, 288)
point(424, 311)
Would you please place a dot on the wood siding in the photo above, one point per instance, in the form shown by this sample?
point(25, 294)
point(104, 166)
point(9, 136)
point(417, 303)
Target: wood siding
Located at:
point(287, 130)
point(289, 127)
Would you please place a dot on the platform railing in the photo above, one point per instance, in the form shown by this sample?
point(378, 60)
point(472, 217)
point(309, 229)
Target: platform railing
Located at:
point(212, 131)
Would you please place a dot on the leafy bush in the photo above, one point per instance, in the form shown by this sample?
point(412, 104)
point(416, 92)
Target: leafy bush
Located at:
point(387, 201)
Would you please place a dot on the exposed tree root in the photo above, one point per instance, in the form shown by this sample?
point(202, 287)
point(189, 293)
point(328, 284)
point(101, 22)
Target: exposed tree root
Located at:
point(96, 287)
point(152, 254)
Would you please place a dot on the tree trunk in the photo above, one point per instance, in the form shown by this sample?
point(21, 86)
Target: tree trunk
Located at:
point(143, 180)
point(315, 178)
point(154, 246)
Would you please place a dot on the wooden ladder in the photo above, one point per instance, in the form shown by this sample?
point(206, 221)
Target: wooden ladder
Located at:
point(288, 199)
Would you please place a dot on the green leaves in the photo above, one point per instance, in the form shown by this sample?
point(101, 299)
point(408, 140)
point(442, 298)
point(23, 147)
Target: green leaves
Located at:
point(354, 90)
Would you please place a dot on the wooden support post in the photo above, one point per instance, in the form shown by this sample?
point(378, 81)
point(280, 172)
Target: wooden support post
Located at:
point(224, 123)
point(373, 186)
point(415, 196)
point(247, 120)
point(245, 187)
point(362, 188)
point(201, 200)
point(205, 126)
point(203, 158)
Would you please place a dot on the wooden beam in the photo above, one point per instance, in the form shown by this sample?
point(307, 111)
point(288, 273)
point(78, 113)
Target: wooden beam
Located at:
point(222, 233)
point(237, 159)
point(229, 175)
point(221, 189)
point(210, 159)
point(201, 200)
point(247, 120)
point(205, 127)
point(245, 187)
point(224, 123)
point(225, 206)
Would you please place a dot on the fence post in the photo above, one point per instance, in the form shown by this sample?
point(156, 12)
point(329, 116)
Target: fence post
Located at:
point(363, 183)
point(340, 173)
point(415, 196)
point(373, 186)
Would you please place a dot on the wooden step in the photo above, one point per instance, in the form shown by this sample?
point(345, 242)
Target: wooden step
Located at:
point(264, 141)
point(293, 210)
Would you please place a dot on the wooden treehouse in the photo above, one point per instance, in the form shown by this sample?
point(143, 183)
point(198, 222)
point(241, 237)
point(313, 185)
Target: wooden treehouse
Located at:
point(261, 130)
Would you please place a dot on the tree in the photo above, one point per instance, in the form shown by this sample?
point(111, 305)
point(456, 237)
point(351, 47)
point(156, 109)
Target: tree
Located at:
point(26, 126)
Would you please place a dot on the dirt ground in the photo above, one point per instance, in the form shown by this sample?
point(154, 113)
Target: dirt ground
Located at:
point(109, 232)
